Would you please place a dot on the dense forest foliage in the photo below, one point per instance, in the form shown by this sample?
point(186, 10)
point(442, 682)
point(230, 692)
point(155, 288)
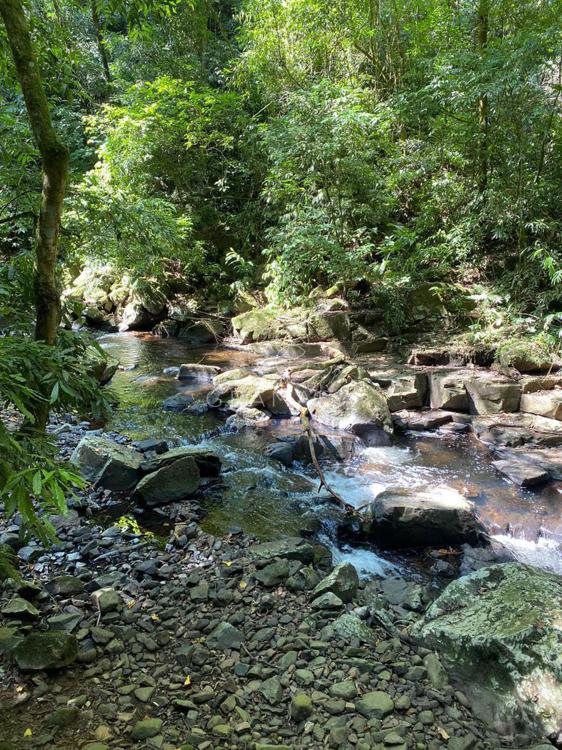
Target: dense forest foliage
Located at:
point(278, 146)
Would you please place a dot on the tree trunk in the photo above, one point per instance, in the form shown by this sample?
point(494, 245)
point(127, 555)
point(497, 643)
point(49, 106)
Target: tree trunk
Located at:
point(54, 158)
point(483, 122)
point(102, 49)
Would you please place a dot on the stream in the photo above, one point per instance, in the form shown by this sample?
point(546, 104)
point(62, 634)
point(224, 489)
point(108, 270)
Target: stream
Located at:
point(261, 497)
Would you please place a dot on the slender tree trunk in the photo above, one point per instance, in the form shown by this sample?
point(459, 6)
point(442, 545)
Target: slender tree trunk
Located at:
point(54, 158)
point(102, 49)
point(483, 120)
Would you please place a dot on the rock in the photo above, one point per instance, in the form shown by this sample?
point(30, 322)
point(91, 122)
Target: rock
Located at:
point(345, 690)
point(103, 462)
point(375, 705)
point(20, 608)
point(282, 452)
point(291, 548)
point(534, 383)
point(173, 482)
point(63, 717)
point(420, 518)
point(359, 408)
point(252, 391)
point(490, 393)
point(208, 463)
point(327, 601)
point(342, 581)
point(521, 472)
point(403, 390)
point(301, 707)
point(225, 636)
point(501, 627)
point(180, 403)
point(350, 627)
point(431, 357)
point(272, 690)
point(525, 356)
point(198, 372)
point(548, 459)
point(447, 391)
point(544, 403)
point(67, 586)
point(402, 593)
point(256, 325)
point(247, 417)
point(273, 574)
point(365, 342)
point(421, 421)
point(517, 430)
point(146, 728)
point(9, 639)
point(40, 651)
point(435, 671)
point(106, 600)
point(152, 445)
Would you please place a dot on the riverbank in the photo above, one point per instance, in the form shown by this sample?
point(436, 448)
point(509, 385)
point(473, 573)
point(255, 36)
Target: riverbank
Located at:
point(219, 642)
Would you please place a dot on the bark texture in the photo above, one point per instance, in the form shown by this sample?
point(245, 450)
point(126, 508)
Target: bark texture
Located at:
point(54, 158)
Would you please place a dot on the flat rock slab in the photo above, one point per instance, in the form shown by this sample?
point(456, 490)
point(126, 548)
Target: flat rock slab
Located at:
point(522, 472)
point(512, 430)
point(419, 421)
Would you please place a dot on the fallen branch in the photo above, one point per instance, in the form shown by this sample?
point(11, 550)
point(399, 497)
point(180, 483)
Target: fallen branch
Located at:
point(323, 483)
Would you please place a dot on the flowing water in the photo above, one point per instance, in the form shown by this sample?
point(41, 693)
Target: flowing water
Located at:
point(261, 497)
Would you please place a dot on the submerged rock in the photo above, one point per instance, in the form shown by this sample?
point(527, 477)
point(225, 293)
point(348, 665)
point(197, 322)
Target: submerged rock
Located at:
point(104, 462)
point(410, 518)
point(359, 408)
point(501, 628)
point(198, 372)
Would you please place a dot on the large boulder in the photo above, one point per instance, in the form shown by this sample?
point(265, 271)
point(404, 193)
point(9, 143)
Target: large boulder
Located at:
point(500, 629)
point(40, 651)
point(447, 391)
point(359, 408)
point(543, 403)
point(170, 484)
point(256, 325)
point(104, 462)
point(414, 518)
point(404, 390)
point(490, 393)
point(252, 391)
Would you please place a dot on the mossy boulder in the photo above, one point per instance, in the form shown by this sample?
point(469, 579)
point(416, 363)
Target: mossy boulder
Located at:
point(359, 408)
point(500, 628)
point(525, 355)
point(256, 325)
point(40, 651)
